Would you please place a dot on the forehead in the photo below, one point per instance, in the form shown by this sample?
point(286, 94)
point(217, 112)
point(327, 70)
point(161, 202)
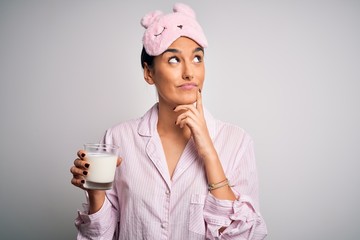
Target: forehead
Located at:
point(184, 44)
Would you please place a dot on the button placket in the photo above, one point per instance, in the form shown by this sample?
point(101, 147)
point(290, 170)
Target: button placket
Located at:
point(165, 222)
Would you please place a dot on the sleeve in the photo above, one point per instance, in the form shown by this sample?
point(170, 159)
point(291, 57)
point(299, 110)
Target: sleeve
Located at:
point(100, 225)
point(241, 217)
point(104, 224)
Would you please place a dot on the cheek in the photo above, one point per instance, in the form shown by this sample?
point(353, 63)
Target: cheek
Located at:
point(168, 77)
point(162, 83)
point(201, 74)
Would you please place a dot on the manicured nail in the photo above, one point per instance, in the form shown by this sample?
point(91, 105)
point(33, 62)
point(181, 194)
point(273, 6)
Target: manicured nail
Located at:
point(82, 181)
point(83, 155)
point(174, 108)
point(87, 165)
point(85, 172)
point(199, 90)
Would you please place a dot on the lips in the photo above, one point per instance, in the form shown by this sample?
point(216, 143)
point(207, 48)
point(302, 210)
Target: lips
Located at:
point(188, 86)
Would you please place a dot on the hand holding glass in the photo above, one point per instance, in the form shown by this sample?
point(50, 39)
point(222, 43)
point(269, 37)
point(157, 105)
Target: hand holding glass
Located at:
point(102, 159)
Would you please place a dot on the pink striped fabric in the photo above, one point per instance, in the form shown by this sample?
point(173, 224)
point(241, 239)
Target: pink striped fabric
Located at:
point(146, 204)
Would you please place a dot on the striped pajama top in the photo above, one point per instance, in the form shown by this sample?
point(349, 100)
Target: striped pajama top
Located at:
point(145, 203)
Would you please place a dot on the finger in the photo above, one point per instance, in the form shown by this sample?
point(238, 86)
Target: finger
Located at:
point(187, 121)
point(81, 154)
point(81, 163)
point(184, 117)
point(78, 182)
point(181, 117)
point(78, 171)
point(199, 105)
point(186, 108)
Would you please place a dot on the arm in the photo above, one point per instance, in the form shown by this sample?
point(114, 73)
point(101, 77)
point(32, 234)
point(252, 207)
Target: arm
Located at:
point(100, 216)
point(241, 217)
point(229, 212)
point(193, 117)
point(99, 225)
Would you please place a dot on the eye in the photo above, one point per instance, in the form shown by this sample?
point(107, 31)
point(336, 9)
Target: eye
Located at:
point(173, 60)
point(197, 59)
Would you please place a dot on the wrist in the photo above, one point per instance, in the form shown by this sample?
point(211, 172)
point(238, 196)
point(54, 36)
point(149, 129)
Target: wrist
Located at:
point(95, 193)
point(96, 200)
point(209, 156)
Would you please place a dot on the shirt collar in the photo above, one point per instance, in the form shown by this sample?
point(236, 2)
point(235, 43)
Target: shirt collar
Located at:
point(148, 122)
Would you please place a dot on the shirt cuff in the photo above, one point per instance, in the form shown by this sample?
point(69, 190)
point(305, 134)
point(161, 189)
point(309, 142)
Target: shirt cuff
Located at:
point(90, 224)
point(217, 212)
point(223, 213)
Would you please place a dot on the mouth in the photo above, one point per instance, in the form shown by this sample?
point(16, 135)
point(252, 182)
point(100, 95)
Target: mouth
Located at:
point(188, 86)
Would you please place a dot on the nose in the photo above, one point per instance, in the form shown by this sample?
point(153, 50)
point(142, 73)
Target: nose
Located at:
point(188, 72)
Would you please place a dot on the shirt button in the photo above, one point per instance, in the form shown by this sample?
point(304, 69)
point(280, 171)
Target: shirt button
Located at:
point(164, 225)
point(167, 192)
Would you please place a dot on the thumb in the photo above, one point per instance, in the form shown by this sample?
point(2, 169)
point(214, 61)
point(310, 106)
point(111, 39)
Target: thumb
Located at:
point(119, 160)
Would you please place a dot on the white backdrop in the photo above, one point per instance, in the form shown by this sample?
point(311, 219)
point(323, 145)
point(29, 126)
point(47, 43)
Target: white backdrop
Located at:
point(286, 71)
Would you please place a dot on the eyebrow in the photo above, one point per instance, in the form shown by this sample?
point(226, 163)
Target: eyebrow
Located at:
point(199, 49)
point(174, 50)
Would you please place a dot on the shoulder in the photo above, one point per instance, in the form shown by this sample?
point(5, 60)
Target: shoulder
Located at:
point(230, 129)
point(139, 126)
point(227, 132)
point(232, 134)
point(121, 133)
point(124, 127)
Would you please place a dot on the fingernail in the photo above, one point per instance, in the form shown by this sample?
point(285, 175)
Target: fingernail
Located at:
point(82, 181)
point(85, 172)
point(199, 90)
point(87, 165)
point(174, 108)
point(83, 155)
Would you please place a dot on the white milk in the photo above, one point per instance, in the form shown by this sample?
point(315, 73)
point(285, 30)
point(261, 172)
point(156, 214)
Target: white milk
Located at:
point(102, 167)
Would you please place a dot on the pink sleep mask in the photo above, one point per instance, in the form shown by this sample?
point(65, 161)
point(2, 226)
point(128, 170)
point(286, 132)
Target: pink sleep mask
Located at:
point(163, 29)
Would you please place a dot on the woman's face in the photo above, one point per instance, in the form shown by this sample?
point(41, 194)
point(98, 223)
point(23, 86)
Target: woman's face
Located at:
point(178, 73)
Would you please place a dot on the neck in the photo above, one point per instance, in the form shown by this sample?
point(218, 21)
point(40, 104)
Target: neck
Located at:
point(166, 122)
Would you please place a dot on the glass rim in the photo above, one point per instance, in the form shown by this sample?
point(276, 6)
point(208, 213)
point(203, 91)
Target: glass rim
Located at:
point(101, 145)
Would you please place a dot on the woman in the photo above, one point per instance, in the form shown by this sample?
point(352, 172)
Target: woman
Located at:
point(184, 174)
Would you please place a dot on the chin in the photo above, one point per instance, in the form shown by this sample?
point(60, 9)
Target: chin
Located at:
point(187, 102)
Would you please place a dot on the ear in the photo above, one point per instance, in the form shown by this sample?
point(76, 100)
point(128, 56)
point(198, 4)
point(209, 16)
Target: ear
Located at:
point(148, 74)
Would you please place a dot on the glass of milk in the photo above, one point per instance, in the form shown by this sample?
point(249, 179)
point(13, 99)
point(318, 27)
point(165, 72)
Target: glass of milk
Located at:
point(102, 159)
